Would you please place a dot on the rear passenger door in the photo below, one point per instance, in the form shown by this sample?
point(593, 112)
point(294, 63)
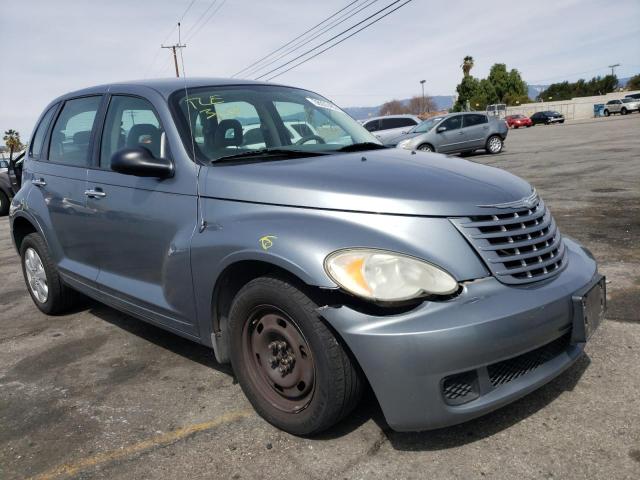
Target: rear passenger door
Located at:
point(142, 227)
point(476, 129)
point(57, 171)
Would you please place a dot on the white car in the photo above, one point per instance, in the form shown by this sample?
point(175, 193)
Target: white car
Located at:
point(622, 106)
point(390, 126)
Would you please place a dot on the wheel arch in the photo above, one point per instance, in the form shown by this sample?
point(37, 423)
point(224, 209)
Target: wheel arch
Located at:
point(21, 226)
point(237, 274)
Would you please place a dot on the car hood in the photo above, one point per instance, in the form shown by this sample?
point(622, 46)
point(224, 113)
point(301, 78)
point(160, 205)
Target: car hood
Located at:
point(390, 181)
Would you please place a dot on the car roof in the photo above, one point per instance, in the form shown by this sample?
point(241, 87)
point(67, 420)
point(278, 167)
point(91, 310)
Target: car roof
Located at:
point(166, 86)
point(403, 115)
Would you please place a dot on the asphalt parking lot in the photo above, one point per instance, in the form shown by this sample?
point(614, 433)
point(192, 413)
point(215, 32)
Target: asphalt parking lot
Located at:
point(98, 394)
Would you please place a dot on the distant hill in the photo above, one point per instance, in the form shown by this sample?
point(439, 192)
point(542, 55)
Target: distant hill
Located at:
point(443, 102)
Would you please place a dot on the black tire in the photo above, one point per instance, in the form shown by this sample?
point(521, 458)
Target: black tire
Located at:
point(623, 111)
point(60, 297)
point(607, 113)
point(4, 204)
point(337, 381)
point(494, 144)
point(425, 147)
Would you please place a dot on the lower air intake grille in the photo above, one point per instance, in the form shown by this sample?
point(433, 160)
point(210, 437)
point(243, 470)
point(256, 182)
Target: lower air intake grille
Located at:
point(513, 368)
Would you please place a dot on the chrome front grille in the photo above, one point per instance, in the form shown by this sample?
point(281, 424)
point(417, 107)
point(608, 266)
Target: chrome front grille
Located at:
point(518, 247)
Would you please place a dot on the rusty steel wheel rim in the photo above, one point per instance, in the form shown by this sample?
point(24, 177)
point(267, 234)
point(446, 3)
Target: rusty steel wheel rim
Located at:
point(278, 359)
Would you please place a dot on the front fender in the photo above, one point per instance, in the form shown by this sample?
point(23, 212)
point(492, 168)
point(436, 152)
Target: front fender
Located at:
point(299, 239)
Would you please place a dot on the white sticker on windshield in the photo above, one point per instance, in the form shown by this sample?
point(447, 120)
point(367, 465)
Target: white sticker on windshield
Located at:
point(323, 104)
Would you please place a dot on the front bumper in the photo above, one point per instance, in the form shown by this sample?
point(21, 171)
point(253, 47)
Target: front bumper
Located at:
point(407, 357)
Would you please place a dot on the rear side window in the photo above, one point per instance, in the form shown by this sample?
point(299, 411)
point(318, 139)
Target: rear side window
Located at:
point(388, 123)
point(41, 131)
point(477, 119)
point(131, 122)
point(71, 133)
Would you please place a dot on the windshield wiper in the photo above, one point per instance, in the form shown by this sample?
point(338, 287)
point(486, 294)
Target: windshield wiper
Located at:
point(267, 153)
point(358, 147)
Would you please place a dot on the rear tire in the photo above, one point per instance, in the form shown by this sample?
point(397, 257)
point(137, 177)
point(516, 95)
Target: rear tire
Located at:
point(292, 368)
point(43, 281)
point(607, 113)
point(494, 144)
point(4, 204)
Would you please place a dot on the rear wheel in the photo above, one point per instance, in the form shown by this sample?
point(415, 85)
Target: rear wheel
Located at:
point(606, 113)
point(426, 148)
point(294, 371)
point(494, 144)
point(4, 204)
point(43, 281)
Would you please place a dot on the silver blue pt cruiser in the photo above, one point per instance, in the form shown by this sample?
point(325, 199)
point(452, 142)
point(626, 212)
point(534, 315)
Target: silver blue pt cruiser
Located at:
point(262, 221)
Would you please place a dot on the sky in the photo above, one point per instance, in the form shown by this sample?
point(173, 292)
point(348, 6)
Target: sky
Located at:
point(53, 47)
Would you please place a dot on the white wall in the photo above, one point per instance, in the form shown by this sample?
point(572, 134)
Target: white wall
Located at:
point(574, 109)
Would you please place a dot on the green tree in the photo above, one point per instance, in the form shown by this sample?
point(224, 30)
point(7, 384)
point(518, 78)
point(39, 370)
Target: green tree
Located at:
point(508, 85)
point(12, 141)
point(634, 83)
point(467, 89)
point(581, 88)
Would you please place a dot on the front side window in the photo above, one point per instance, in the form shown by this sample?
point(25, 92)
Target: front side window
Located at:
point(473, 119)
point(4, 164)
point(41, 131)
point(131, 122)
point(427, 125)
point(232, 120)
point(452, 123)
point(72, 131)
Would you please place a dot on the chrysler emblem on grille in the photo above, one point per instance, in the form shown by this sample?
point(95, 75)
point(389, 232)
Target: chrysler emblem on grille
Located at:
point(526, 202)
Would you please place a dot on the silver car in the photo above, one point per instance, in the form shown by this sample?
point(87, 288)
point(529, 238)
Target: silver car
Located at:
point(622, 106)
point(462, 132)
point(390, 126)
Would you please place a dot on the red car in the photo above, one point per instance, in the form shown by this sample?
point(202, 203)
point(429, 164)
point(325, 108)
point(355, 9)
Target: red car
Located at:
point(516, 121)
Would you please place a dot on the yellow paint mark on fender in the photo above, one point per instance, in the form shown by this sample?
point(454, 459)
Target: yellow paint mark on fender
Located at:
point(266, 242)
point(72, 468)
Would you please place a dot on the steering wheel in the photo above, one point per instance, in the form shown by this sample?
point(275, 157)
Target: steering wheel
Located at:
point(308, 138)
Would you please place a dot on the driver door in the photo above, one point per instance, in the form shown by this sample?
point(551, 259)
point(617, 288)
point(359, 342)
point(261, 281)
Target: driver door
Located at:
point(141, 227)
point(452, 138)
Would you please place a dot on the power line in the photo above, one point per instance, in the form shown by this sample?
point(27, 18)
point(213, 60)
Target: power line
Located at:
point(211, 15)
point(333, 38)
point(340, 20)
point(291, 41)
point(197, 23)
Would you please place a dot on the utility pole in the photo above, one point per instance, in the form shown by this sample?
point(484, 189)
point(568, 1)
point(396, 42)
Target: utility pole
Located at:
point(613, 68)
point(175, 57)
point(424, 104)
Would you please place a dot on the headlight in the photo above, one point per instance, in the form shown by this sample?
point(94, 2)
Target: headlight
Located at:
point(404, 143)
point(387, 276)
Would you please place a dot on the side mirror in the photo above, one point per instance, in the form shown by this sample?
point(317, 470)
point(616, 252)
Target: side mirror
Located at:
point(140, 162)
point(441, 129)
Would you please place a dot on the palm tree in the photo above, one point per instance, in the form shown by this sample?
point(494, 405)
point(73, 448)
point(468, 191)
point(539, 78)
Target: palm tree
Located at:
point(12, 141)
point(467, 65)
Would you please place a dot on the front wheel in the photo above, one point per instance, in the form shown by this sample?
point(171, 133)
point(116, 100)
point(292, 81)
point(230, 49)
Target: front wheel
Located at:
point(425, 148)
point(292, 368)
point(494, 144)
point(43, 281)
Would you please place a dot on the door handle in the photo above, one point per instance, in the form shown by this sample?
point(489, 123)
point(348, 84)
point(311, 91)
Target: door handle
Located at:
point(460, 133)
point(95, 193)
point(38, 182)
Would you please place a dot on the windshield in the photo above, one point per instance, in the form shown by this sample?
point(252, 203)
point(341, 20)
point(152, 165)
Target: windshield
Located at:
point(426, 125)
point(232, 120)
